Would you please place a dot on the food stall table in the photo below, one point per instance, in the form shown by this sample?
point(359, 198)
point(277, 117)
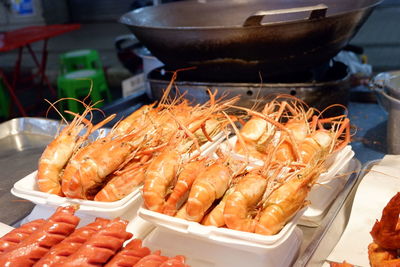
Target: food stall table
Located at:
point(23, 38)
point(30, 136)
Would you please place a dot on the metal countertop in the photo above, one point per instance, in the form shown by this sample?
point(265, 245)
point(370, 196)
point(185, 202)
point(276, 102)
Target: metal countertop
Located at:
point(369, 121)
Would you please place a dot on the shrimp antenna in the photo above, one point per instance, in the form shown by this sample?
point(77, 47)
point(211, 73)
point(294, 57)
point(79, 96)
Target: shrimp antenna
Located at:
point(52, 105)
point(169, 87)
point(239, 137)
point(346, 111)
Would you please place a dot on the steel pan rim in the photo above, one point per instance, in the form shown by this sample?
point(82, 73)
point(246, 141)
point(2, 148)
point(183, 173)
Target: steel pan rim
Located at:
point(260, 85)
point(124, 20)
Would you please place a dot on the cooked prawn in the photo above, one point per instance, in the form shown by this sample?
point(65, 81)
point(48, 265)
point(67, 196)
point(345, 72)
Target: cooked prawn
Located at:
point(286, 200)
point(279, 126)
point(321, 142)
point(239, 205)
point(59, 151)
point(158, 176)
point(183, 184)
point(122, 183)
point(300, 128)
point(86, 173)
point(267, 125)
point(133, 120)
point(161, 173)
point(216, 216)
point(181, 214)
point(210, 185)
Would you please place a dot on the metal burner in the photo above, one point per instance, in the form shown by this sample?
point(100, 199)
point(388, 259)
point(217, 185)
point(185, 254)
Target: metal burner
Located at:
point(319, 88)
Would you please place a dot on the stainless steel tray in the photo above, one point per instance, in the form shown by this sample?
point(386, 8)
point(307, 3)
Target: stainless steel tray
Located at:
point(22, 141)
point(319, 242)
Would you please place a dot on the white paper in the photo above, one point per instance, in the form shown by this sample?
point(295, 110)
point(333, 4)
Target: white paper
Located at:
point(373, 193)
point(4, 229)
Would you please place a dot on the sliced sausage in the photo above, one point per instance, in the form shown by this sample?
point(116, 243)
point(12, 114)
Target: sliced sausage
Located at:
point(101, 246)
point(10, 240)
point(71, 244)
point(60, 225)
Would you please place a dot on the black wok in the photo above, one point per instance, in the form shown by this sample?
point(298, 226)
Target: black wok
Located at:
point(271, 36)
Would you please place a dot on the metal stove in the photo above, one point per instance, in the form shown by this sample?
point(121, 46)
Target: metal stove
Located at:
point(319, 87)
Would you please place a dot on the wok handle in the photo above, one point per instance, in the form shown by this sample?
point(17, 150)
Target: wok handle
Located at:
point(378, 85)
point(316, 12)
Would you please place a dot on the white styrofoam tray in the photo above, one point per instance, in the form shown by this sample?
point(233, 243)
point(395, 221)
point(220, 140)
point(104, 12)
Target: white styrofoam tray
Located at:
point(27, 188)
point(206, 246)
point(210, 253)
point(238, 239)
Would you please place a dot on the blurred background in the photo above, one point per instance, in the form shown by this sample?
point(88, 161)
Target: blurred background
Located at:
point(100, 30)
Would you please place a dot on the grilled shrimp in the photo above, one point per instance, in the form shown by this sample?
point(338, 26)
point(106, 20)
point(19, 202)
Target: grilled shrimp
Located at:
point(318, 142)
point(210, 185)
point(216, 216)
point(123, 182)
point(239, 205)
point(183, 184)
point(159, 175)
point(251, 132)
point(59, 151)
point(286, 200)
point(261, 130)
point(86, 173)
point(162, 170)
point(57, 154)
point(300, 129)
point(137, 117)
